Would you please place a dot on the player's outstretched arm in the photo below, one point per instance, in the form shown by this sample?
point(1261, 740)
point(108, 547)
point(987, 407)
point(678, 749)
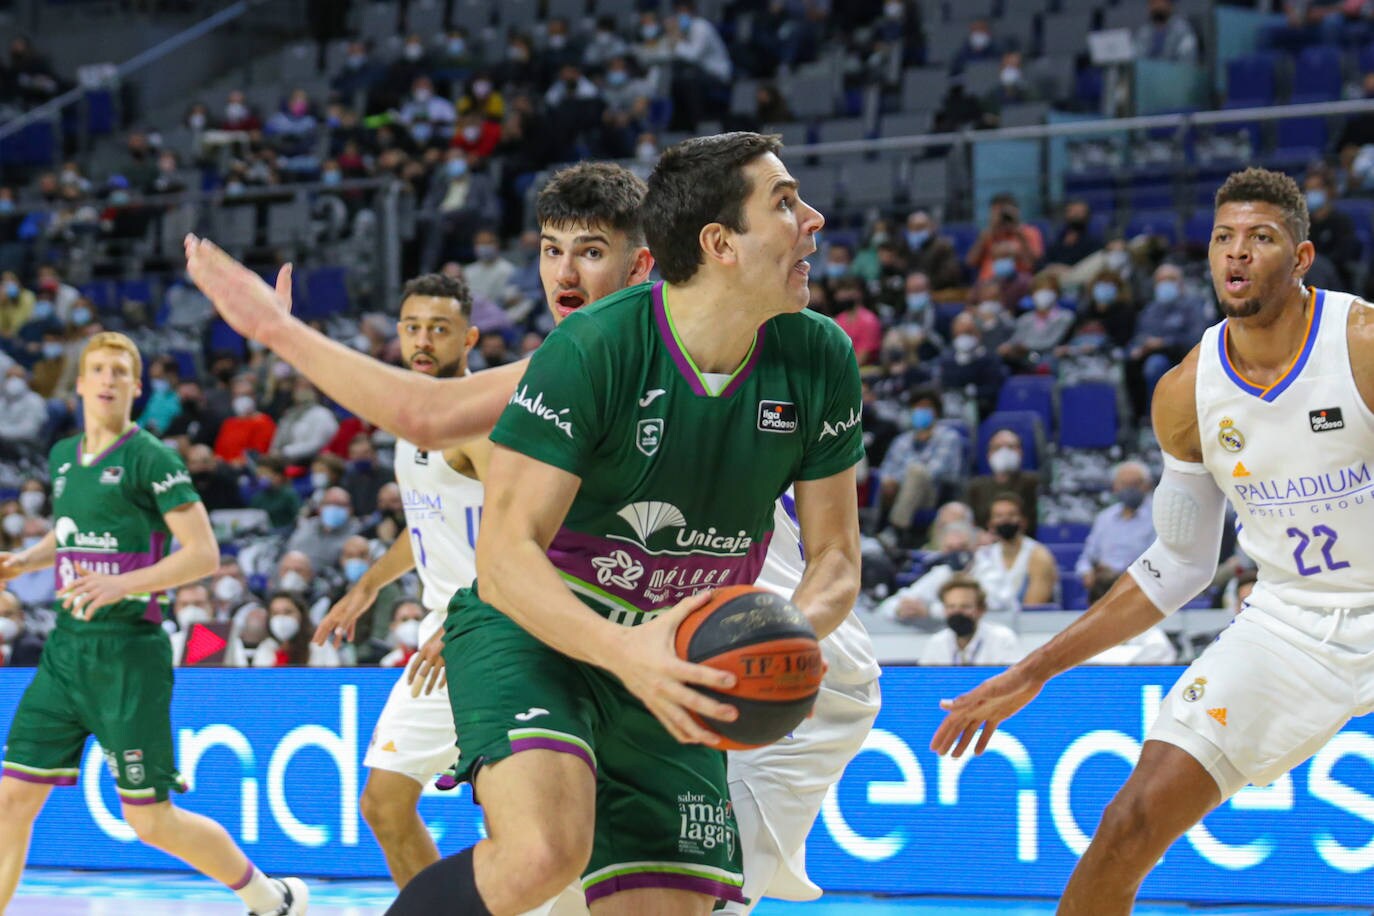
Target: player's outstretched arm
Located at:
point(1129, 608)
point(432, 413)
point(828, 515)
point(358, 600)
point(526, 502)
point(39, 556)
point(196, 556)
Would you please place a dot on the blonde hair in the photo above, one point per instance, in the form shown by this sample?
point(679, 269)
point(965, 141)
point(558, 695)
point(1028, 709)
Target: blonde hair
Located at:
point(112, 340)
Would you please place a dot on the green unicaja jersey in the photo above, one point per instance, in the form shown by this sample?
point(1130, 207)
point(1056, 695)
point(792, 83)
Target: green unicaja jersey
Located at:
point(679, 471)
point(107, 514)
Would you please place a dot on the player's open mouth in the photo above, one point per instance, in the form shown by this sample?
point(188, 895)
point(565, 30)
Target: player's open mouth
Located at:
point(567, 303)
point(1237, 283)
point(421, 362)
point(106, 396)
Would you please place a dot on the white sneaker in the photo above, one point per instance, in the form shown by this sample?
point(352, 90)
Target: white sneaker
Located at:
point(297, 898)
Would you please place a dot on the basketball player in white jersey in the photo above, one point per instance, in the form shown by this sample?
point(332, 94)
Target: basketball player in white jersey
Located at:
point(1271, 411)
point(442, 493)
point(591, 246)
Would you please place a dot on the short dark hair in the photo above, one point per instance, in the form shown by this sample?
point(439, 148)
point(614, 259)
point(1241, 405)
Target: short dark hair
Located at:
point(1256, 185)
point(440, 286)
point(960, 580)
point(698, 182)
point(595, 193)
point(927, 393)
point(1006, 496)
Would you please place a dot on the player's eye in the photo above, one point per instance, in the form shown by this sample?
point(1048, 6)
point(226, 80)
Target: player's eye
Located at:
point(594, 253)
point(785, 203)
point(551, 252)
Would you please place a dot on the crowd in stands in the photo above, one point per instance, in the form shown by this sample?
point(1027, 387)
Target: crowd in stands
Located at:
point(965, 516)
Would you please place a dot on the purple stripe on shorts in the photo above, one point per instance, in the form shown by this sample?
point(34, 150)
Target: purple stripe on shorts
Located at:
point(241, 883)
point(552, 744)
point(149, 800)
point(41, 780)
point(641, 879)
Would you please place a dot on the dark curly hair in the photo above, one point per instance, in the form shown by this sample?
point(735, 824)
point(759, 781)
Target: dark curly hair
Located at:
point(595, 194)
point(440, 286)
point(696, 183)
point(1255, 185)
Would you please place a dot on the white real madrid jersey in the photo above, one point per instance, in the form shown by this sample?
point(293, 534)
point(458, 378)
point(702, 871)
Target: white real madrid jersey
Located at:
point(443, 509)
point(1295, 461)
point(848, 651)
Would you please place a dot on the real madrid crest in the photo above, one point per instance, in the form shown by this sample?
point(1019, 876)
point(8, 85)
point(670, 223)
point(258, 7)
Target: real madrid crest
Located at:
point(1230, 438)
point(1194, 691)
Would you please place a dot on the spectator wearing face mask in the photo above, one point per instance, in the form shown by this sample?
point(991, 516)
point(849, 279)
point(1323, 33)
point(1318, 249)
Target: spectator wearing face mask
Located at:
point(920, 601)
point(62, 294)
point(11, 526)
point(857, 320)
point(931, 253)
point(978, 45)
point(1015, 569)
point(1075, 241)
point(922, 465)
point(1121, 532)
point(306, 427)
point(190, 607)
point(1039, 330)
point(970, 368)
point(228, 589)
point(311, 584)
point(837, 262)
point(249, 429)
point(16, 305)
point(988, 307)
point(1168, 327)
point(355, 559)
point(321, 537)
point(988, 255)
point(288, 642)
point(20, 647)
point(476, 135)
point(1167, 36)
point(1004, 459)
point(23, 416)
point(163, 404)
point(1332, 231)
point(967, 638)
point(216, 483)
point(459, 202)
point(389, 521)
point(1106, 317)
point(1012, 89)
point(275, 495)
point(403, 635)
point(490, 277)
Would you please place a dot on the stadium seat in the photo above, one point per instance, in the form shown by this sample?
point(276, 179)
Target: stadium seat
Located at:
point(1198, 229)
point(1074, 594)
point(1063, 533)
point(1317, 74)
point(137, 290)
point(1093, 409)
point(326, 292)
point(1065, 554)
point(1163, 223)
point(1029, 392)
point(224, 339)
point(1304, 138)
point(100, 294)
point(1025, 423)
point(1250, 80)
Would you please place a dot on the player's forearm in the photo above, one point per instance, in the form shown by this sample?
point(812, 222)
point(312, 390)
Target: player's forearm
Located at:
point(433, 413)
point(395, 563)
point(829, 588)
point(1124, 612)
point(518, 580)
point(39, 556)
point(187, 563)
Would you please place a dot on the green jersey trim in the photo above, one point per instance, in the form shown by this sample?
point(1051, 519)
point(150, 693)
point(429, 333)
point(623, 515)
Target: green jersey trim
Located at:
point(87, 460)
point(683, 360)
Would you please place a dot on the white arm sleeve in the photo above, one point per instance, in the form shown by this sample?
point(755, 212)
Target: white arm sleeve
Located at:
point(1189, 510)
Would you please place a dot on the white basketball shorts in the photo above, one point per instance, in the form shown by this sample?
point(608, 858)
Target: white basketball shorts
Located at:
point(414, 735)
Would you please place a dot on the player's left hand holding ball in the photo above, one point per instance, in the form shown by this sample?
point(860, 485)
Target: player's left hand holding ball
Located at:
point(89, 592)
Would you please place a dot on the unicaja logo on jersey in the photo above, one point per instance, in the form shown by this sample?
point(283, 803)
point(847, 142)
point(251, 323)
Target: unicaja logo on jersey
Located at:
point(646, 519)
point(69, 536)
point(541, 410)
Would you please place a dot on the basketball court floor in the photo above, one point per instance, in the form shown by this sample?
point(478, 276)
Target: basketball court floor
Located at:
point(50, 892)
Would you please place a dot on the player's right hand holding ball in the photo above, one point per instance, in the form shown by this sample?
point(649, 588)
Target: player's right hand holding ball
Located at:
point(649, 666)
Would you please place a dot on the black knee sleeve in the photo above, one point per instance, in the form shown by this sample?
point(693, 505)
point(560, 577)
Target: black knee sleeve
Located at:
point(447, 886)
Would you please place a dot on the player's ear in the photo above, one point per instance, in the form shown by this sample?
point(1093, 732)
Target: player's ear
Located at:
point(640, 267)
point(718, 243)
point(1306, 253)
point(470, 340)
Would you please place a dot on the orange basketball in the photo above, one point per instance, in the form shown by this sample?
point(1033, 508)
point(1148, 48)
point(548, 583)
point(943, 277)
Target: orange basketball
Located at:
point(770, 647)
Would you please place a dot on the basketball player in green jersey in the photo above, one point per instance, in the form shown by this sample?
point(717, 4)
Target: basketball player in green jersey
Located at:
point(119, 497)
point(726, 396)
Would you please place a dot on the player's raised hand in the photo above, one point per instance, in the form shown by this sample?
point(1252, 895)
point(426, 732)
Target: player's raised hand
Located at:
point(650, 668)
point(89, 592)
point(985, 706)
point(241, 297)
point(342, 618)
point(426, 672)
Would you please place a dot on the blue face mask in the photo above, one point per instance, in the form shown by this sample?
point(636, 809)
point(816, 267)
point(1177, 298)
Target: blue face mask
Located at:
point(81, 316)
point(915, 239)
point(684, 21)
point(1131, 498)
point(1005, 268)
point(457, 46)
point(1166, 291)
point(331, 177)
point(922, 418)
point(12, 290)
point(835, 271)
point(42, 310)
point(916, 302)
point(421, 132)
point(161, 386)
point(333, 517)
point(354, 568)
point(1315, 199)
point(1104, 292)
point(6, 206)
point(617, 77)
point(52, 349)
point(457, 168)
point(119, 198)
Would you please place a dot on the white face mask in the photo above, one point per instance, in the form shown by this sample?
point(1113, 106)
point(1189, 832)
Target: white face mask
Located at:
point(192, 614)
point(406, 633)
point(965, 343)
point(31, 501)
point(9, 630)
point(1044, 299)
point(13, 524)
point(15, 386)
point(283, 627)
point(228, 590)
point(244, 405)
point(1004, 460)
point(292, 581)
point(319, 480)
